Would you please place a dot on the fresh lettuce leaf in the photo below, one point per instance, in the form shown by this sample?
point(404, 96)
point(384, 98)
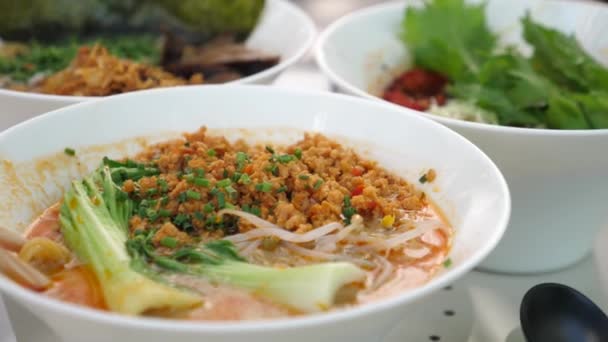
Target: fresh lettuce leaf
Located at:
point(449, 37)
point(595, 107)
point(562, 59)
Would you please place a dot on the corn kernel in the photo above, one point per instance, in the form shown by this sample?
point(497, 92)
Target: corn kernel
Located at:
point(388, 221)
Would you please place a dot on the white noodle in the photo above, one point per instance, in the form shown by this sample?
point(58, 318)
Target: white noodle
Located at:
point(285, 235)
point(325, 256)
point(416, 253)
point(329, 243)
point(386, 270)
point(256, 221)
point(399, 239)
point(252, 247)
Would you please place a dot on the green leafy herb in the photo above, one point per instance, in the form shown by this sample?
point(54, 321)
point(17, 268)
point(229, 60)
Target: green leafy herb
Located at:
point(211, 152)
point(298, 153)
point(550, 90)
point(448, 36)
point(562, 59)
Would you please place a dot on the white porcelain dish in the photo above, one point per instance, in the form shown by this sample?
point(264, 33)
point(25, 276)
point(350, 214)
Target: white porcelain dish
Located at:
point(283, 29)
point(469, 188)
point(557, 178)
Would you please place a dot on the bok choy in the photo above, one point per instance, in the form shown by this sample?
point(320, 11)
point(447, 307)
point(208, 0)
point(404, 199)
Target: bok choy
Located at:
point(308, 288)
point(94, 222)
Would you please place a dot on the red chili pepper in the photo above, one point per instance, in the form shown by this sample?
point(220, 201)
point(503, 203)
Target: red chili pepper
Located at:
point(371, 205)
point(358, 190)
point(248, 169)
point(357, 171)
point(402, 99)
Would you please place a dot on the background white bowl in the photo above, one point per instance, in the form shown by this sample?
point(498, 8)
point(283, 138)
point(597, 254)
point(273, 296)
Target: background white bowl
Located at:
point(469, 188)
point(557, 178)
point(283, 29)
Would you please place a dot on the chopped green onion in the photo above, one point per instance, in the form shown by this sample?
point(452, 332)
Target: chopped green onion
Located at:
point(182, 197)
point(274, 169)
point(263, 187)
point(229, 206)
point(202, 182)
point(188, 177)
point(447, 263)
point(256, 211)
point(231, 192)
point(211, 152)
point(269, 149)
point(182, 221)
point(241, 159)
point(199, 216)
point(225, 173)
point(164, 200)
point(318, 184)
point(235, 177)
point(164, 213)
point(298, 153)
point(164, 186)
point(199, 172)
point(208, 208)
point(151, 214)
point(286, 158)
point(244, 179)
point(191, 194)
point(169, 241)
point(304, 177)
point(224, 183)
point(152, 192)
point(69, 151)
point(281, 189)
point(348, 210)
point(221, 200)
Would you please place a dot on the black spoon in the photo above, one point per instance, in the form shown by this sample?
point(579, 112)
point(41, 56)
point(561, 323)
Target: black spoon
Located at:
point(557, 313)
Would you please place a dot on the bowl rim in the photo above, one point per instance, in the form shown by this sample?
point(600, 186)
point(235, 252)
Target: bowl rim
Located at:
point(456, 271)
point(324, 41)
point(293, 10)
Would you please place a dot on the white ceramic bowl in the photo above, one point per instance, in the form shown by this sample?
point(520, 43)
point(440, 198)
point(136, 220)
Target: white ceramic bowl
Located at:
point(557, 178)
point(283, 29)
point(469, 188)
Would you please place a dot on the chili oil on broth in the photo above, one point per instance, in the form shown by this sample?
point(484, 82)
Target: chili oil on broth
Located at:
point(409, 267)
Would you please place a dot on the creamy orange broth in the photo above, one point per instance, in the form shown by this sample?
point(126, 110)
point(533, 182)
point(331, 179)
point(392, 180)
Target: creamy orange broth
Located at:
point(379, 196)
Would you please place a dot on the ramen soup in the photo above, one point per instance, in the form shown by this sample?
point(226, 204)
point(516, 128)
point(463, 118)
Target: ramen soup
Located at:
point(200, 228)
